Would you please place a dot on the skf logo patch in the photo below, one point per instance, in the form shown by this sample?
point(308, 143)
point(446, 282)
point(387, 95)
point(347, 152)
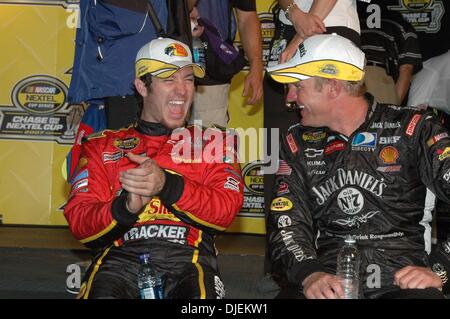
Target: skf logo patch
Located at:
point(292, 144)
point(443, 154)
point(175, 49)
point(281, 204)
point(313, 136)
point(412, 124)
point(389, 155)
point(126, 144)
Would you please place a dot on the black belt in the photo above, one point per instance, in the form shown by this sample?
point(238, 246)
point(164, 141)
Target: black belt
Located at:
point(374, 63)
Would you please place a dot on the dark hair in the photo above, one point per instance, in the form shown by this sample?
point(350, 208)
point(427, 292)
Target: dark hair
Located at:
point(147, 79)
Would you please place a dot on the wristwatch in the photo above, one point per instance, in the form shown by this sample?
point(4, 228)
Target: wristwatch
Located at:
point(439, 270)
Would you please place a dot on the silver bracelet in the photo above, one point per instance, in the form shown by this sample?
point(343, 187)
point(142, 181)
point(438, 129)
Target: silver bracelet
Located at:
point(289, 7)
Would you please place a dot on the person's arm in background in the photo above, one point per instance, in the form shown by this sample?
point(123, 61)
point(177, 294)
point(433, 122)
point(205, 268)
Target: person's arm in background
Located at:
point(320, 9)
point(404, 80)
point(251, 39)
point(409, 53)
point(308, 23)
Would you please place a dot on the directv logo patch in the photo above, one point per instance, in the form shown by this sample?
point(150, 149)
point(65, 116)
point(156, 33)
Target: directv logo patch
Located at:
point(365, 142)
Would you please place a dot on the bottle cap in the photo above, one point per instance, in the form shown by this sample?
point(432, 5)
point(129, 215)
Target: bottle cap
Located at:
point(144, 257)
point(349, 239)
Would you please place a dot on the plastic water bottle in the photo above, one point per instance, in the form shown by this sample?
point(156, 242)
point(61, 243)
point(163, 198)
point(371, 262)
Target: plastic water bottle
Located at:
point(348, 268)
point(149, 281)
point(198, 52)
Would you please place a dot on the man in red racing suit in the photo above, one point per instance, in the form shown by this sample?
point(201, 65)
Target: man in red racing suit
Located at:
point(156, 188)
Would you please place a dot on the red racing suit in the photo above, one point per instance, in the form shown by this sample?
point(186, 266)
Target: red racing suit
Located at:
point(199, 197)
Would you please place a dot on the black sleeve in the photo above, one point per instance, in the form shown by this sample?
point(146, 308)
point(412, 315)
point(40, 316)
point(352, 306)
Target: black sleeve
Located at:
point(244, 5)
point(291, 231)
point(407, 42)
point(434, 166)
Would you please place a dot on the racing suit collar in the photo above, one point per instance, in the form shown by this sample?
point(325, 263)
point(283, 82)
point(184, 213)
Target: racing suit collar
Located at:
point(152, 129)
point(372, 103)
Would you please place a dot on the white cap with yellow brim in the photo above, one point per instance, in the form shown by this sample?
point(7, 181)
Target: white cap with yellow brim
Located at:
point(325, 55)
point(162, 57)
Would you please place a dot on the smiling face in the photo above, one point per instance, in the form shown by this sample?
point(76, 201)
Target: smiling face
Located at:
point(315, 109)
point(168, 100)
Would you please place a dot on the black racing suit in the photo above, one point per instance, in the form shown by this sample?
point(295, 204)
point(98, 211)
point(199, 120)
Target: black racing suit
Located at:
point(371, 184)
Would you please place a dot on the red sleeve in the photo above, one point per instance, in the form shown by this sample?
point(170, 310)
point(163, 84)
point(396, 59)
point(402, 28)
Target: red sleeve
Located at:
point(211, 200)
point(96, 216)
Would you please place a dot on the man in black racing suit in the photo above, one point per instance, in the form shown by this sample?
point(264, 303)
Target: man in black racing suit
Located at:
point(354, 166)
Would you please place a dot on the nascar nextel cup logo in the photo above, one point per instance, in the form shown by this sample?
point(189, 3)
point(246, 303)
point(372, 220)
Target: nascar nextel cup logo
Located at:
point(254, 178)
point(40, 94)
point(416, 4)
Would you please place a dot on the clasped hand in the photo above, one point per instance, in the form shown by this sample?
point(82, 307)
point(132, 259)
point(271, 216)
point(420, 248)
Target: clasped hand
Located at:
point(141, 182)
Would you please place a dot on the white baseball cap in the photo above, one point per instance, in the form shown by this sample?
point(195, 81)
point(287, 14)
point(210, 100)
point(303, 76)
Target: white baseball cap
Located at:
point(162, 57)
point(324, 55)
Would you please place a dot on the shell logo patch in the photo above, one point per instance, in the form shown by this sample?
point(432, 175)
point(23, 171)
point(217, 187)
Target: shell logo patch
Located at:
point(389, 155)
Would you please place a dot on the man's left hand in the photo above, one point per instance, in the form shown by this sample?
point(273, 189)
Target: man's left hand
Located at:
point(414, 277)
point(147, 179)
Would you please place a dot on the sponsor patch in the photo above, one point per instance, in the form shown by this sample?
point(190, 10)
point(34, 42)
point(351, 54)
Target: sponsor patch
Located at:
point(446, 246)
point(443, 154)
point(175, 49)
point(281, 204)
point(219, 287)
point(447, 176)
point(313, 137)
point(388, 139)
point(156, 210)
point(111, 157)
point(80, 185)
point(284, 221)
point(333, 147)
point(283, 168)
point(412, 124)
point(329, 69)
point(364, 141)
point(126, 144)
point(350, 201)
point(283, 189)
point(292, 144)
point(81, 175)
point(317, 172)
point(389, 169)
point(232, 184)
point(389, 125)
point(172, 233)
point(312, 152)
point(389, 155)
point(315, 163)
point(436, 139)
